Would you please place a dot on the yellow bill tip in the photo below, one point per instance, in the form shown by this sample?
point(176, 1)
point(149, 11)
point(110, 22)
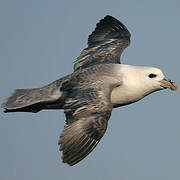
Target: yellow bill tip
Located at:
point(174, 87)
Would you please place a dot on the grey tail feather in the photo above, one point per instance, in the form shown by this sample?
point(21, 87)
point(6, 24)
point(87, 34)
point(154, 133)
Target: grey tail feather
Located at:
point(21, 100)
point(29, 100)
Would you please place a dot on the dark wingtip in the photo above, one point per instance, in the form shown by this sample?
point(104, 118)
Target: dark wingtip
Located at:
point(109, 28)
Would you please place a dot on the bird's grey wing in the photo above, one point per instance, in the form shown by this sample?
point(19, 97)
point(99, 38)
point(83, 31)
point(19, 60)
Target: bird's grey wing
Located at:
point(87, 111)
point(105, 44)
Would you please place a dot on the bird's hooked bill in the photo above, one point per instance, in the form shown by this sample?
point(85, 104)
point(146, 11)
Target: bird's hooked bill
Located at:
point(165, 83)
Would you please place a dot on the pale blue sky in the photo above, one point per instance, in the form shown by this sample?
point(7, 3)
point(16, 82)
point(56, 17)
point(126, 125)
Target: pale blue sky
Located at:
point(39, 40)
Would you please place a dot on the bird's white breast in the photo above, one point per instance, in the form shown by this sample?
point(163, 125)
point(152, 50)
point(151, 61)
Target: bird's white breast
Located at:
point(123, 95)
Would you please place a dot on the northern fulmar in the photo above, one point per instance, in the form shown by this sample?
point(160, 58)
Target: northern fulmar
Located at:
point(98, 84)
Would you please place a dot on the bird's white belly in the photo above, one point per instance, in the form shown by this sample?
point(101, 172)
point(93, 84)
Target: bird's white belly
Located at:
point(123, 96)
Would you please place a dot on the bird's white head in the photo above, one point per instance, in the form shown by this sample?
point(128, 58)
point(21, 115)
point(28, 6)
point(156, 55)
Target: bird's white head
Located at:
point(147, 79)
point(138, 82)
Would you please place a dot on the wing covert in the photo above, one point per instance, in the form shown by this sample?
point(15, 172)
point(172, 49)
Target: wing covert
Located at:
point(87, 111)
point(105, 44)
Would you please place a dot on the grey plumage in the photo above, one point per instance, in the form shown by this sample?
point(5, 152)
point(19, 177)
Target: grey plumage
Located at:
point(105, 44)
point(34, 100)
point(87, 109)
point(98, 84)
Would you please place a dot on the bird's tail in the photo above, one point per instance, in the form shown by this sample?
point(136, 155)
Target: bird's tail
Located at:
point(31, 100)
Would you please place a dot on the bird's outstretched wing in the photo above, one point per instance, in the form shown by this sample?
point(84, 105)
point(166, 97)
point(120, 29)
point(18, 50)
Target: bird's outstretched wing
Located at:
point(87, 111)
point(105, 44)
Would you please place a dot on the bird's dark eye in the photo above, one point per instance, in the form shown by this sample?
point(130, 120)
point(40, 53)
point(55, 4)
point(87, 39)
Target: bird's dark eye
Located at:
point(152, 75)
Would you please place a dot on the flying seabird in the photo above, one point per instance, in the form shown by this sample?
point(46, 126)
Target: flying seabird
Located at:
point(98, 84)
